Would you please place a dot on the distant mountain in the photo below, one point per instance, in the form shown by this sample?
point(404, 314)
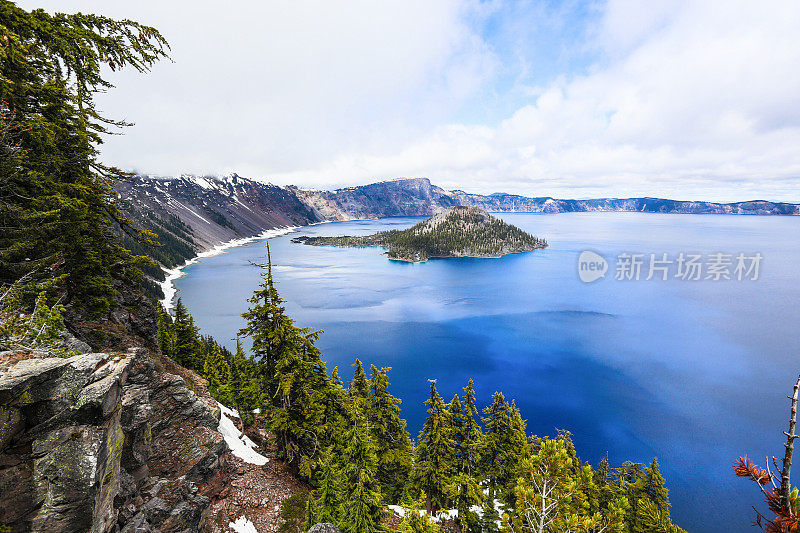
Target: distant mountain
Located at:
point(458, 231)
point(192, 213)
point(417, 196)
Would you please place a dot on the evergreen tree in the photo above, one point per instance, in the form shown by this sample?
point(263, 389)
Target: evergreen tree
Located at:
point(416, 522)
point(166, 332)
point(187, 348)
point(393, 445)
point(655, 487)
point(57, 207)
point(298, 412)
point(242, 387)
point(359, 386)
point(468, 433)
point(503, 446)
point(433, 465)
point(362, 508)
point(331, 491)
point(336, 404)
point(465, 491)
point(216, 371)
point(269, 328)
point(312, 513)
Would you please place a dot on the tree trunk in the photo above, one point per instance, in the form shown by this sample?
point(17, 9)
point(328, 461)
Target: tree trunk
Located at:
point(786, 486)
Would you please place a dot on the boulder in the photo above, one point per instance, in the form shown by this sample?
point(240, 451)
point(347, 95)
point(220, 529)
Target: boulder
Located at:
point(324, 528)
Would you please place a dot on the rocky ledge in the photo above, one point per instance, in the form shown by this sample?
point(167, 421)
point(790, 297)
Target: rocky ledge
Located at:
point(105, 442)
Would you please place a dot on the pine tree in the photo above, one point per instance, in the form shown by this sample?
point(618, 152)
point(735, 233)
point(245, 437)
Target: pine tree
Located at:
point(298, 409)
point(336, 403)
point(503, 446)
point(331, 491)
point(242, 387)
point(359, 386)
point(416, 522)
point(312, 513)
point(58, 210)
point(433, 465)
point(269, 328)
point(362, 508)
point(187, 346)
point(216, 371)
point(655, 487)
point(393, 445)
point(165, 333)
point(465, 491)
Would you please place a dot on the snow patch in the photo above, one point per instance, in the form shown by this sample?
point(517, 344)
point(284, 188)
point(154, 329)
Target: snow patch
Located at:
point(240, 445)
point(242, 525)
point(168, 285)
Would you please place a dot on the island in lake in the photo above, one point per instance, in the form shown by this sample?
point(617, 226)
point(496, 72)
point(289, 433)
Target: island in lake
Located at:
point(459, 231)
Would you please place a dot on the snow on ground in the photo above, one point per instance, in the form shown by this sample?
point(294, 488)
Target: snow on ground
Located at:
point(447, 514)
point(168, 285)
point(242, 525)
point(240, 445)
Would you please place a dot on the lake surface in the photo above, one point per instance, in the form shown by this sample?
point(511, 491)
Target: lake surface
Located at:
point(695, 373)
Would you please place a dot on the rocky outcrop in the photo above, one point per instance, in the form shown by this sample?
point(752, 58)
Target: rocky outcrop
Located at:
point(324, 528)
point(105, 442)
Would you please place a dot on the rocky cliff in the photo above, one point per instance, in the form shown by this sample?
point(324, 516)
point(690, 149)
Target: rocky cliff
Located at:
point(105, 442)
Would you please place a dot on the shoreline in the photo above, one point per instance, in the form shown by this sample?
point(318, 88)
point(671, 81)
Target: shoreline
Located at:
point(172, 274)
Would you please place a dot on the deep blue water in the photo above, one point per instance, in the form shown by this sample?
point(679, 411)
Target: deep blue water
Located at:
point(695, 373)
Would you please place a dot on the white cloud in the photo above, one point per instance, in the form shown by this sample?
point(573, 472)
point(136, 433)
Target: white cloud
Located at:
point(688, 99)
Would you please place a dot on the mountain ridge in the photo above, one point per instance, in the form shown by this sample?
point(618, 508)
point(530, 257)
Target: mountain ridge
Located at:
point(192, 214)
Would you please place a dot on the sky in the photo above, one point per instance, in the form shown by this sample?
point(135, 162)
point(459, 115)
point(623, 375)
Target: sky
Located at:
point(694, 100)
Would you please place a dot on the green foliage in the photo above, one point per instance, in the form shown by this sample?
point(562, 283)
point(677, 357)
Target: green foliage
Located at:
point(269, 328)
point(57, 208)
point(362, 509)
point(41, 329)
point(293, 513)
point(166, 332)
point(352, 445)
point(187, 350)
point(243, 389)
point(331, 491)
point(216, 370)
point(502, 447)
point(359, 386)
point(392, 442)
point(416, 522)
point(434, 453)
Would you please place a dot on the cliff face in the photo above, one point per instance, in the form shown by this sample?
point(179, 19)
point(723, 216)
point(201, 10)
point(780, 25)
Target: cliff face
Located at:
point(405, 197)
point(103, 442)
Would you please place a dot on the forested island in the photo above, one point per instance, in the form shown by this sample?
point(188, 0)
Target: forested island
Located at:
point(459, 231)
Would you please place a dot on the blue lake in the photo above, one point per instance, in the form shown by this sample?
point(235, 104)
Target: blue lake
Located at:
point(695, 373)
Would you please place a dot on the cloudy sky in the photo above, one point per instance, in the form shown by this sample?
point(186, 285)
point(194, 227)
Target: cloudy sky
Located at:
point(695, 99)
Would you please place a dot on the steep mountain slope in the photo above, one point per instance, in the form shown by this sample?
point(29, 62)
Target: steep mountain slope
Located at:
point(213, 210)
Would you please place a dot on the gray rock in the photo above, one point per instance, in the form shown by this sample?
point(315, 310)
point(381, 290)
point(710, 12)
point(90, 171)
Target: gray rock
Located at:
point(72, 343)
point(324, 528)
